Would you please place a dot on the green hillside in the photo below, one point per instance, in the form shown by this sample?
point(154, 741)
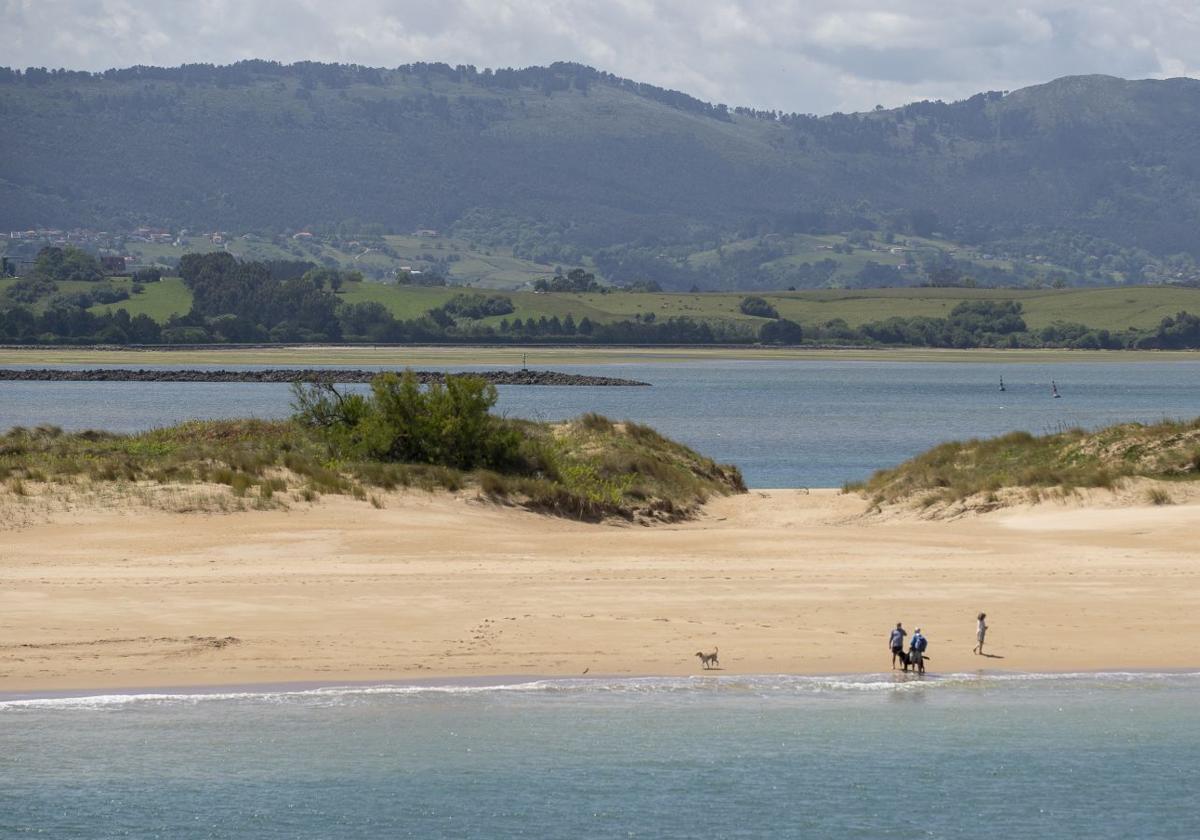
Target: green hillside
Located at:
point(568, 165)
point(381, 257)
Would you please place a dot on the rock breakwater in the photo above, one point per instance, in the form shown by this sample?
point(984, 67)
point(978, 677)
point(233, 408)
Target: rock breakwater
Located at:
point(287, 375)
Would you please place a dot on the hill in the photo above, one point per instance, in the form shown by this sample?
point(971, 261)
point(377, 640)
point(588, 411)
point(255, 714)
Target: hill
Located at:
point(565, 164)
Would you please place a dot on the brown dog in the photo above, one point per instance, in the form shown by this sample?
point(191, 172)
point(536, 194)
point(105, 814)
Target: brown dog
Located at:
point(708, 660)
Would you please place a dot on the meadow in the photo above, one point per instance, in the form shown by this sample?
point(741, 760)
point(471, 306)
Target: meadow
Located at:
point(1111, 308)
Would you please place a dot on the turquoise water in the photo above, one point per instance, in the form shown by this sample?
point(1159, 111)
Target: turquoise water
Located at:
point(786, 423)
point(1096, 756)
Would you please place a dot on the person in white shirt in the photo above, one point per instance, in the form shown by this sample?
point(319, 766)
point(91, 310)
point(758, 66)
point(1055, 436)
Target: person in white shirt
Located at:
point(980, 632)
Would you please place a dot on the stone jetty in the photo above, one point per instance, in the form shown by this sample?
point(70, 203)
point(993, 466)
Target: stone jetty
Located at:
point(286, 375)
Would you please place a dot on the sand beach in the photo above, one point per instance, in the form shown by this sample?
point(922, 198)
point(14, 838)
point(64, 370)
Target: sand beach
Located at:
point(124, 596)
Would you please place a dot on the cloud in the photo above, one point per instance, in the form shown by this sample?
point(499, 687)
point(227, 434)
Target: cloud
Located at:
point(814, 56)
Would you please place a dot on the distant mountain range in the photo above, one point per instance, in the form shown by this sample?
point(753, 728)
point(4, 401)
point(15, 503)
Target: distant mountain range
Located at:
point(571, 160)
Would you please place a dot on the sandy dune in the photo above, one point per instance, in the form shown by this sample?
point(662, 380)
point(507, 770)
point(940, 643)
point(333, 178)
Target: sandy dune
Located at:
point(781, 581)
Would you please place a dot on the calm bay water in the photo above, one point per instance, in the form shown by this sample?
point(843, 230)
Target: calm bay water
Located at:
point(786, 424)
point(1096, 756)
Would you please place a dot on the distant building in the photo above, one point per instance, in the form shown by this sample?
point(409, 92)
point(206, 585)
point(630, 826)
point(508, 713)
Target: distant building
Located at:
point(426, 232)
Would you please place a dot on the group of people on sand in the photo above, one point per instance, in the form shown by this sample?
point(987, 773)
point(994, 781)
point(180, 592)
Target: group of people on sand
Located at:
point(915, 656)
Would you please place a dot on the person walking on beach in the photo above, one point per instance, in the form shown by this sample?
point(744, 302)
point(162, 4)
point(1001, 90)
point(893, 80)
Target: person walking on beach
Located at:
point(896, 643)
point(980, 632)
point(916, 651)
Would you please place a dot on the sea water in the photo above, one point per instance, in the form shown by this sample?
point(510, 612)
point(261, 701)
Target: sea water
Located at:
point(874, 756)
point(784, 423)
point(958, 756)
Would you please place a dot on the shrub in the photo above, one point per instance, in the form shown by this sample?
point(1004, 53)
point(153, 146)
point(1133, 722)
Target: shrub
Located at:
point(781, 331)
point(475, 306)
point(446, 424)
point(758, 307)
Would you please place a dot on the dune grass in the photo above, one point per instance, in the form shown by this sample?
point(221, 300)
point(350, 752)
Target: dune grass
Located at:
point(590, 468)
point(1064, 461)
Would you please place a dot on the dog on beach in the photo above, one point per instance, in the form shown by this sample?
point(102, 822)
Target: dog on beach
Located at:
point(909, 660)
point(708, 660)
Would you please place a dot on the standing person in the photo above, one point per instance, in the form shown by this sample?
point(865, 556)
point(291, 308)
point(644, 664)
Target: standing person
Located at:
point(896, 643)
point(916, 650)
point(980, 632)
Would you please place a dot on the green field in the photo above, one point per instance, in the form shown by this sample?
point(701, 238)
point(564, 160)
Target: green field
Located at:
point(1111, 308)
point(1114, 308)
point(158, 300)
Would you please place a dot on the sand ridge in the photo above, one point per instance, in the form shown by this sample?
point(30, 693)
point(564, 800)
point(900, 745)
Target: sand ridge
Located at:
point(449, 586)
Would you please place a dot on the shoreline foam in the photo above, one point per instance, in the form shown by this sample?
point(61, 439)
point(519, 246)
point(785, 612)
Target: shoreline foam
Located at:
point(796, 684)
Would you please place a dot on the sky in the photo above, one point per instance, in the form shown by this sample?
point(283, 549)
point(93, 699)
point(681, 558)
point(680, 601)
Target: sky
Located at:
point(809, 56)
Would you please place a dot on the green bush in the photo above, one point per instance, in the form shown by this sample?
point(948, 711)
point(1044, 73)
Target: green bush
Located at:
point(758, 307)
point(781, 331)
point(445, 424)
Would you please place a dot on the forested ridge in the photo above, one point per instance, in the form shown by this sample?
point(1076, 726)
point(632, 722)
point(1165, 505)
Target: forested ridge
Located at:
point(575, 162)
